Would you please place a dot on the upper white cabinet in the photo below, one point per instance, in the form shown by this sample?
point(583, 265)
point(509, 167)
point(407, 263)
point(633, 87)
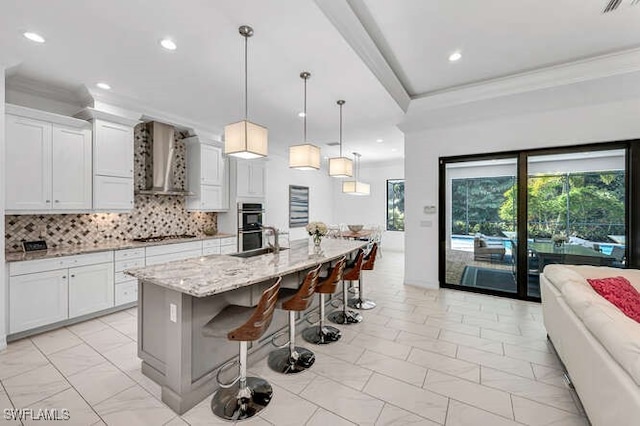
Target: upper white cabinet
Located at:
point(48, 162)
point(250, 178)
point(207, 176)
point(112, 166)
point(112, 149)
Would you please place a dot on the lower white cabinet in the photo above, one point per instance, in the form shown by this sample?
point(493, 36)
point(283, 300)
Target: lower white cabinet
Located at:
point(37, 299)
point(126, 292)
point(90, 289)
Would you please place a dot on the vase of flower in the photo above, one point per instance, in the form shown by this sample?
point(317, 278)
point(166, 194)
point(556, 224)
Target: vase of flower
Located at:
point(316, 231)
point(558, 240)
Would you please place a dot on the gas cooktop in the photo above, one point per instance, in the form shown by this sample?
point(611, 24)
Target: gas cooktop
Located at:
point(155, 238)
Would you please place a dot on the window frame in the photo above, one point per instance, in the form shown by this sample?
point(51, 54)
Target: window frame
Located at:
point(387, 205)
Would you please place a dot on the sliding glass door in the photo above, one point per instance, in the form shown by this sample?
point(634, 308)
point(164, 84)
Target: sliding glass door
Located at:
point(497, 236)
point(481, 223)
point(576, 206)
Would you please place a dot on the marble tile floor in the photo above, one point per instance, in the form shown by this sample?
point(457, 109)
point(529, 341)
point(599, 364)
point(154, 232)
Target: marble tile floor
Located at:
point(428, 357)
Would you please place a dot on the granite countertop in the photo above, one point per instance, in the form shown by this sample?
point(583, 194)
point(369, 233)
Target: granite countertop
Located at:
point(93, 248)
point(208, 275)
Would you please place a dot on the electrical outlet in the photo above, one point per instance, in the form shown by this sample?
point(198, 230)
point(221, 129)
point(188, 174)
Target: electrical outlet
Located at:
point(173, 312)
point(426, 223)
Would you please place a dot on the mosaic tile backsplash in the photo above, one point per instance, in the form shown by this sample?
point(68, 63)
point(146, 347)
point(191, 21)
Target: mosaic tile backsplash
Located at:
point(152, 214)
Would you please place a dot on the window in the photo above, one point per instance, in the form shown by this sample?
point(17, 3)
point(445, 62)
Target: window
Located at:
point(395, 205)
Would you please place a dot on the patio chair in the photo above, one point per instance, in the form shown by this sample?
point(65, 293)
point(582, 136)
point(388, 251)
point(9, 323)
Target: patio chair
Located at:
point(483, 250)
point(619, 254)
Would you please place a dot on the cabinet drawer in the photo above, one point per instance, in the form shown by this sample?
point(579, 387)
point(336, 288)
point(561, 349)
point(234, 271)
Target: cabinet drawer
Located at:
point(126, 292)
point(229, 241)
point(128, 264)
point(211, 243)
point(228, 249)
point(41, 265)
point(211, 250)
point(170, 257)
point(174, 248)
point(129, 254)
point(121, 277)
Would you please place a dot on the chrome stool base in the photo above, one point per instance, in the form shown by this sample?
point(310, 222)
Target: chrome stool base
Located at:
point(363, 304)
point(227, 405)
point(321, 335)
point(345, 318)
point(281, 360)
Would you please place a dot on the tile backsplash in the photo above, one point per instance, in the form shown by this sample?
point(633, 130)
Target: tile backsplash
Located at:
point(152, 214)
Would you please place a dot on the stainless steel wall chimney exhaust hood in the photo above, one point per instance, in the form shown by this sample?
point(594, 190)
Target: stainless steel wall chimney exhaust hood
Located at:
point(163, 150)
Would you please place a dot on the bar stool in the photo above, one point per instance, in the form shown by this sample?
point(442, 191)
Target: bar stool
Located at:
point(294, 359)
point(369, 261)
point(350, 274)
point(323, 334)
point(243, 397)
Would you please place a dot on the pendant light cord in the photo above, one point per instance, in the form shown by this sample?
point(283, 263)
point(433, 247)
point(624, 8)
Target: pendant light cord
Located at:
point(305, 111)
point(246, 85)
point(340, 130)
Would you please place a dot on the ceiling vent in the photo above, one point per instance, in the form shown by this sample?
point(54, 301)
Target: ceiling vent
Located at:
point(614, 4)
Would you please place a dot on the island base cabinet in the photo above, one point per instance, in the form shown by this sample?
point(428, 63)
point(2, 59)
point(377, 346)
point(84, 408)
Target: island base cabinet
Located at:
point(37, 299)
point(90, 289)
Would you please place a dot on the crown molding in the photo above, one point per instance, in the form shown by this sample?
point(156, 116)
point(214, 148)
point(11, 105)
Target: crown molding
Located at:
point(44, 90)
point(594, 68)
point(343, 17)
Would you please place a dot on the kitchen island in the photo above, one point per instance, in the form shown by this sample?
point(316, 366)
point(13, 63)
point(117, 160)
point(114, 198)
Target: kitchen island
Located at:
point(176, 299)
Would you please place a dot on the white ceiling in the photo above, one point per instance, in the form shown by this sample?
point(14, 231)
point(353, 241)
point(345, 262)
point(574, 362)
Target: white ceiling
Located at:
point(117, 42)
point(496, 37)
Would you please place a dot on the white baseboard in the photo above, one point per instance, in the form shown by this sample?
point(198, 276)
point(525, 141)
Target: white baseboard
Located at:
point(423, 284)
point(3, 342)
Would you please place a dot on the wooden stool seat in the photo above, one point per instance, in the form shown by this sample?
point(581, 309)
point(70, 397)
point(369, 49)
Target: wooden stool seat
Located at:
point(367, 265)
point(245, 396)
point(294, 359)
point(323, 334)
point(345, 316)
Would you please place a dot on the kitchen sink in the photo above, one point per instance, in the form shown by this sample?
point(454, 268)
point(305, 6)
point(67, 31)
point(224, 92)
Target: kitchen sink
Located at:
point(257, 252)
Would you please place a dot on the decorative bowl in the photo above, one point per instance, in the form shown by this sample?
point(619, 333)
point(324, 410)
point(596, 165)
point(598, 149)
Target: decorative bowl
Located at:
point(209, 231)
point(355, 228)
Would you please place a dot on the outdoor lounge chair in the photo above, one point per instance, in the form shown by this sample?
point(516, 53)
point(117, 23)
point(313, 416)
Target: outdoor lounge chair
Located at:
point(483, 250)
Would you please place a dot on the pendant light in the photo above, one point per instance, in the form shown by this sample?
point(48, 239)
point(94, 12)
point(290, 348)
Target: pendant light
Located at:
point(245, 139)
point(340, 166)
point(305, 156)
point(355, 187)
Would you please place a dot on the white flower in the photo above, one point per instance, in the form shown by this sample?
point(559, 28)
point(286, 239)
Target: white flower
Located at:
point(317, 228)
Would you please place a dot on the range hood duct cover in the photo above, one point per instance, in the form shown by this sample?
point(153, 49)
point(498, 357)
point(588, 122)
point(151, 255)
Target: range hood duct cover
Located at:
point(163, 151)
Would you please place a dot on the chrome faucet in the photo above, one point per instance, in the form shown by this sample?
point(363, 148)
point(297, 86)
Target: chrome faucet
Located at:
point(276, 245)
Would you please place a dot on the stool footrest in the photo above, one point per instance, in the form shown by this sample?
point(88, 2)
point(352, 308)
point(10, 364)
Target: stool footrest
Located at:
point(224, 367)
point(345, 318)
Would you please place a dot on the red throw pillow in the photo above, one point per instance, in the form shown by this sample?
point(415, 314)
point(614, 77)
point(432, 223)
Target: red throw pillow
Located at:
point(620, 292)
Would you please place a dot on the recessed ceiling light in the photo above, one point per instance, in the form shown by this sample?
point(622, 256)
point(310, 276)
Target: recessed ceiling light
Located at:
point(168, 44)
point(379, 140)
point(301, 114)
point(104, 86)
point(394, 150)
point(34, 37)
point(455, 56)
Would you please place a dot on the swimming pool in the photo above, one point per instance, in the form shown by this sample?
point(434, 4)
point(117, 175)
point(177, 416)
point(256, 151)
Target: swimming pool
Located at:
point(465, 243)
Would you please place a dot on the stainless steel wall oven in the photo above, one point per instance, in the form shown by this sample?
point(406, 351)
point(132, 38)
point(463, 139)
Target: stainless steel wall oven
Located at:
point(250, 226)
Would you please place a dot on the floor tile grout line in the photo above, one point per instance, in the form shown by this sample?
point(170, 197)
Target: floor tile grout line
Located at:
point(70, 387)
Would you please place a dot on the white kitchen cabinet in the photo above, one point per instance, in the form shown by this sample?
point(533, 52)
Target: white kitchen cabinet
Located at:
point(112, 193)
point(126, 286)
point(37, 299)
point(71, 169)
point(48, 165)
point(112, 149)
point(91, 289)
point(250, 178)
point(207, 176)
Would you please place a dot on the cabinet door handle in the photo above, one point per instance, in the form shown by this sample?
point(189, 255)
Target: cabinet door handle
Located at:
point(47, 201)
point(64, 277)
point(73, 276)
point(57, 201)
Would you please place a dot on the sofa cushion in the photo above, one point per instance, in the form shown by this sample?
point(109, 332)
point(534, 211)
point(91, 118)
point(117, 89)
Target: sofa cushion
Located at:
point(619, 291)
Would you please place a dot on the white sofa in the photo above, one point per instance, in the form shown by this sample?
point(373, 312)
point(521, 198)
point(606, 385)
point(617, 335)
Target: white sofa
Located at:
point(598, 344)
